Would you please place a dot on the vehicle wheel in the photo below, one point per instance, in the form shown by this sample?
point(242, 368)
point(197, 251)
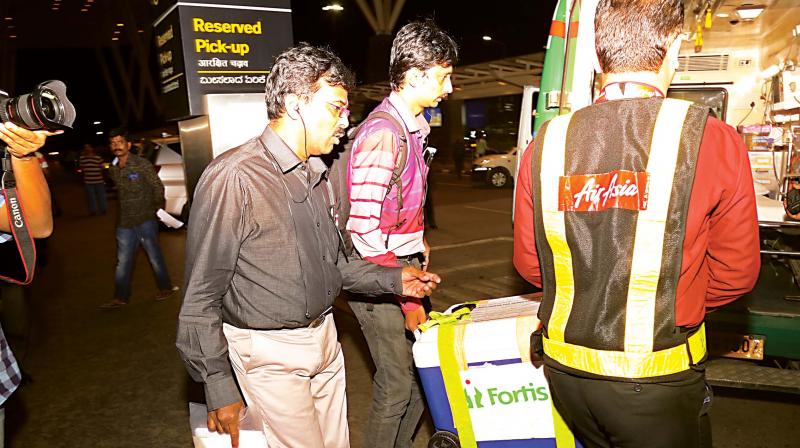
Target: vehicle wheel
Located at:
point(498, 177)
point(444, 439)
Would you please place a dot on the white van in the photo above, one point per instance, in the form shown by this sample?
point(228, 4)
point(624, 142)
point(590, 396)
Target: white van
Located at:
point(499, 169)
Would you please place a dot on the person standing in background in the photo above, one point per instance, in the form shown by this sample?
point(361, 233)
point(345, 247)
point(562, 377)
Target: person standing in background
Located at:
point(141, 194)
point(92, 170)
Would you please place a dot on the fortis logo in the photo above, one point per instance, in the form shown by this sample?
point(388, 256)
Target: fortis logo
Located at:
point(494, 396)
point(16, 213)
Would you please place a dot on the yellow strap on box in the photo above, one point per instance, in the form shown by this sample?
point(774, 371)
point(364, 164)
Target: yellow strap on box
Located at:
point(436, 318)
point(452, 362)
point(629, 365)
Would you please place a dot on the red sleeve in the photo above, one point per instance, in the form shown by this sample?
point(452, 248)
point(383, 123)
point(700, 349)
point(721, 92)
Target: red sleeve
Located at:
point(733, 254)
point(526, 259)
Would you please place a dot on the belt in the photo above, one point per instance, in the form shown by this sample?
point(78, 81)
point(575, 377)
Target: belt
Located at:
point(417, 256)
point(320, 319)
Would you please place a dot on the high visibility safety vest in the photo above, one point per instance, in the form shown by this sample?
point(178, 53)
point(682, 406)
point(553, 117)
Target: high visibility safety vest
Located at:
point(611, 188)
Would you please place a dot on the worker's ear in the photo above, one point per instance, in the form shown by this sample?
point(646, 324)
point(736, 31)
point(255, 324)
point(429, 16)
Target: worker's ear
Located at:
point(673, 51)
point(291, 103)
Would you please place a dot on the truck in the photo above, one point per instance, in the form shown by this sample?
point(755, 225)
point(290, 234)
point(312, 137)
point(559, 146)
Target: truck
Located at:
point(741, 61)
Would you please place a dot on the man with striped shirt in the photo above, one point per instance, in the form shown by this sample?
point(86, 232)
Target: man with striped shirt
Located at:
point(387, 226)
point(92, 169)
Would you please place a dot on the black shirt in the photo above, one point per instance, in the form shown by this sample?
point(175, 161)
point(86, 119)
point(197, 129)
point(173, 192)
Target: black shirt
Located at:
point(262, 253)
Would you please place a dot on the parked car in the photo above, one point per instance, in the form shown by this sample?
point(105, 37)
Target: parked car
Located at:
point(166, 155)
point(498, 170)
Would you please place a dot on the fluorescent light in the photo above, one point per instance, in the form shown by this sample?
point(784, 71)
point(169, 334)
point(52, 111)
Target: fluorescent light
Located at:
point(487, 38)
point(96, 122)
point(99, 132)
point(84, 9)
point(749, 12)
point(115, 38)
point(53, 153)
point(120, 24)
point(333, 7)
point(723, 14)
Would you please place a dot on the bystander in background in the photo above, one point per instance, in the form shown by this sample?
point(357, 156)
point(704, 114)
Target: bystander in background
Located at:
point(92, 170)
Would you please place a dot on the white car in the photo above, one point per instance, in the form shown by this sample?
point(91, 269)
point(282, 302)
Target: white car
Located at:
point(498, 169)
point(169, 164)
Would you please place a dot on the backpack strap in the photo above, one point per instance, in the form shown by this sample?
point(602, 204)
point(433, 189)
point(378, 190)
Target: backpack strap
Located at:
point(402, 156)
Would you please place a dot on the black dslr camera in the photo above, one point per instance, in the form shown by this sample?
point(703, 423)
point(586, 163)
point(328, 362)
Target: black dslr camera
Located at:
point(47, 108)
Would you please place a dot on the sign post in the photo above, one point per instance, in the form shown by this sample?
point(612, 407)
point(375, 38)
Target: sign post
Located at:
point(213, 58)
point(216, 47)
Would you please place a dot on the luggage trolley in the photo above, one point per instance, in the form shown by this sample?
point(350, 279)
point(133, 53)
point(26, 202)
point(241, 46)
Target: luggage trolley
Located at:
point(482, 390)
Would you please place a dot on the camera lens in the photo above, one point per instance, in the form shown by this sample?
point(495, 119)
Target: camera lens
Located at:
point(51, 107)
point(47, 107)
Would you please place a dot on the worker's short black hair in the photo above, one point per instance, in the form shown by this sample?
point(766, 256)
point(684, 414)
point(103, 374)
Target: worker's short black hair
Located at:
point(634, 35)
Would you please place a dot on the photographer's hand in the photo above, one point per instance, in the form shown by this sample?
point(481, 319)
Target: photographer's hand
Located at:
point(22, 142)
point(31, 184)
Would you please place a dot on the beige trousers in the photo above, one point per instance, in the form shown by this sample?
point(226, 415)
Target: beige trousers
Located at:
point(295, 383)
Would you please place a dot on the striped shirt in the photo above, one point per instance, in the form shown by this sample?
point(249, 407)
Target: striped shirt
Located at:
point(373, 212)
point(374, 217)
point(92, 169)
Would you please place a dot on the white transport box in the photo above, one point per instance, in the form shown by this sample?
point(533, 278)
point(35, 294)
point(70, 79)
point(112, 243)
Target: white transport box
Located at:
point(507, 397)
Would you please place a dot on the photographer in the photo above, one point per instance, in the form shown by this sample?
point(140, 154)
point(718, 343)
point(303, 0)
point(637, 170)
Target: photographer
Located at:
point(34, 193)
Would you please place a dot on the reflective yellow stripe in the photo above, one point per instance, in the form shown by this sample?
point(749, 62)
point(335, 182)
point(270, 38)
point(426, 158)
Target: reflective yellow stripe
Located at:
point(553, 153)
point(649, 239)
point(564, 437)
point(628, 365)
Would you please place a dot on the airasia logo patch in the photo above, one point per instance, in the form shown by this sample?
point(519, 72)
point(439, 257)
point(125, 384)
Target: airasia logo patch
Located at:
point(598, 192)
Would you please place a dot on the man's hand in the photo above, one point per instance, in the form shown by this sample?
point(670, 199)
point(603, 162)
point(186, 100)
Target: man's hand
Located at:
point(418, 283)
point(415, 318)
point(22, 142)
point(226, 420)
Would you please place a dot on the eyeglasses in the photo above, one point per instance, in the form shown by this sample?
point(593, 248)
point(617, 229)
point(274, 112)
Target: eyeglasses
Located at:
point(341, 111)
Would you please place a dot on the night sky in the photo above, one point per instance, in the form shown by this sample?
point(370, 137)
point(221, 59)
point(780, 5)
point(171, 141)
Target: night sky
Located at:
point(517, 27)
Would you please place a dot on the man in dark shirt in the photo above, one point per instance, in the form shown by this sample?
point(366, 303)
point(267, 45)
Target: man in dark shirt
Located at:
point(265, 261)
point(140, 194)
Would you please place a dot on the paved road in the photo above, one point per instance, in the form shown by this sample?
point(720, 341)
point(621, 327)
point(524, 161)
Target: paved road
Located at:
point(113, 379)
